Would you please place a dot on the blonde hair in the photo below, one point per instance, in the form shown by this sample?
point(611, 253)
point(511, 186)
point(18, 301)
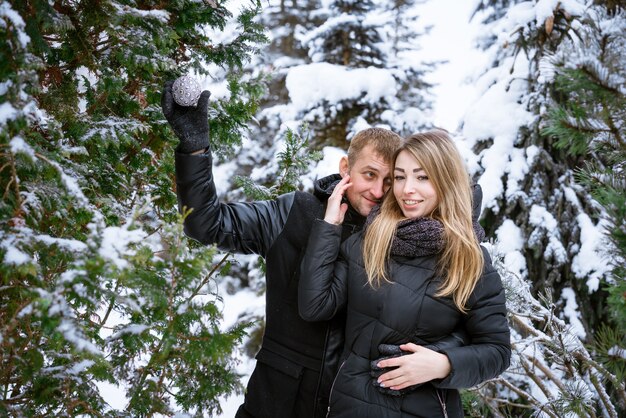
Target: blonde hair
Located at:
point(461, 262)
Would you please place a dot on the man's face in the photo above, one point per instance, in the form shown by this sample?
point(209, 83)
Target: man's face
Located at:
point(370, 180)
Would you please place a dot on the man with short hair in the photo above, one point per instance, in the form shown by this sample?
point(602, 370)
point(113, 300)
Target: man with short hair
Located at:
point(297, 360)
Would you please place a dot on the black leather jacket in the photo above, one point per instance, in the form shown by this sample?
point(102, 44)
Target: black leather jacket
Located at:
point(278, 230)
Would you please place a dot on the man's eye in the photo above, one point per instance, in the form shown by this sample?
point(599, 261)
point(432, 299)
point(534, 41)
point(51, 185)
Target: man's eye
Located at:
point(370, 175)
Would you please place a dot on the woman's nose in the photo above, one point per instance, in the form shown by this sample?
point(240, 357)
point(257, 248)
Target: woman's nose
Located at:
point(409, 187)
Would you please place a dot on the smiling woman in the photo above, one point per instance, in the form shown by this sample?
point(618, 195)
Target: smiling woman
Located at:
point(415, 275)
point(412, 188)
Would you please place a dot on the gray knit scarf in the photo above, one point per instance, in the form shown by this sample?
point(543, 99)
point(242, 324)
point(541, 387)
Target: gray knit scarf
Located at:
point(419, 237)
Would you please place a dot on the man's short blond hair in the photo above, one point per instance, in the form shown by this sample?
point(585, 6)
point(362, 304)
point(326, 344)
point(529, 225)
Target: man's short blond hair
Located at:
point(383, 141)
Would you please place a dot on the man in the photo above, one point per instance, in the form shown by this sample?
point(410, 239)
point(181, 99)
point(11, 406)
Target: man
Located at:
point(297, 360)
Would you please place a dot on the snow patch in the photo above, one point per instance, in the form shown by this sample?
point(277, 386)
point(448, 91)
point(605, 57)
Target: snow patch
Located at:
point(312, 84)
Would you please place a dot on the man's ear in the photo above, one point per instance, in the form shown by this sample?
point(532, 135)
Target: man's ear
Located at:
point(344, 167)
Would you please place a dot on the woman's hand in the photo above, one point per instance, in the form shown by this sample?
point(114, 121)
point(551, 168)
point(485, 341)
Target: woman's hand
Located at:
point(335, 209)
point(422, 366)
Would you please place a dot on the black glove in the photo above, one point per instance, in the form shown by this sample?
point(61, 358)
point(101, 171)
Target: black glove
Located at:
point(389, 351)
point(190, 124)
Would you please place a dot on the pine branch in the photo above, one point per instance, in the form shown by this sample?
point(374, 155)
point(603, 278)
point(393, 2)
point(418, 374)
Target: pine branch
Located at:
point(13, 181)
point(207, 277)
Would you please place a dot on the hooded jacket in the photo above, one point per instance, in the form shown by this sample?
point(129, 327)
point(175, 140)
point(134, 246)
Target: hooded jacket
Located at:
point(333, 278)
point(294, 352)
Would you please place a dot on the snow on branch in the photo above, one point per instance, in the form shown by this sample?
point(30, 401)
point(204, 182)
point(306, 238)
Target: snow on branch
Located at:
point(551, 371)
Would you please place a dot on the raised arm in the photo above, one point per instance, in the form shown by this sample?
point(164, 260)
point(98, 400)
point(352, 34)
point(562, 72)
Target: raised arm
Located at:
point(240, 227)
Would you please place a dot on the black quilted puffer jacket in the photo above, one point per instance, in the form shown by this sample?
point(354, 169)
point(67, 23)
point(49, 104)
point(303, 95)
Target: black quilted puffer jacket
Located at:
point(333, 278)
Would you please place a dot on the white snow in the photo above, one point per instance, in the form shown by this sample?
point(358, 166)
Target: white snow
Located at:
point(128, 329)
point(473, 104)
point(311, 84)
point(69, 244)
point(450, 40)
point(572, 312)
point(72, 334)
point(7, 112)
point(116, 242)
point(14, 256)
point(510, 242)
point(18, 145)
point(498, 115)
point(329, 164)
point(617, 351)
point(540, 218)
point(83, 74)
point(160, 15)
point(16, 20)
point(591, 260)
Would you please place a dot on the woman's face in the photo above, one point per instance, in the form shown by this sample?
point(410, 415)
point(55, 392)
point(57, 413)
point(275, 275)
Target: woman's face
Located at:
point(412, 188)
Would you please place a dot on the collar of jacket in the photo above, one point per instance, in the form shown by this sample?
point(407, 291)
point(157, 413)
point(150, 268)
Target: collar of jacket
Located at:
point(323, 188)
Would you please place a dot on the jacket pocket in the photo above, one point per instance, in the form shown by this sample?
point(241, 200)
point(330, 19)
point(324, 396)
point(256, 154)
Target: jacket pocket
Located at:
point(273, 387)
point(280, 363)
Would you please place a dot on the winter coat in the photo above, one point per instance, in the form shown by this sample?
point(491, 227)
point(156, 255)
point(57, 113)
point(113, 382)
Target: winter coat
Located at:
point(333, 278)
point(298, 359)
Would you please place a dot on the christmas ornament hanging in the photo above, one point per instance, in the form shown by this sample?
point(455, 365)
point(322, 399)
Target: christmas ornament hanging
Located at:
point(186, 91)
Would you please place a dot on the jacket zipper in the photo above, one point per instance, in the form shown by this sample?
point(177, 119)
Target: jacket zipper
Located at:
point(319, 381)
point(330, 394)
point(442, 403)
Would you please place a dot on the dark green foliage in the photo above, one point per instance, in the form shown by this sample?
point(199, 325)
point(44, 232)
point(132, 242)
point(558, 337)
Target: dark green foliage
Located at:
point(349, 41)
point(473, 405)
point(293, 161)
point(98, 282)
point(591, 122)
point(609, 347)
point(568, 326)
point(229, 117)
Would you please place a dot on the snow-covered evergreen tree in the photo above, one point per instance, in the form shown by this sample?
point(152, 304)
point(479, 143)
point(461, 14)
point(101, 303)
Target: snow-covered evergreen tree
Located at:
point(333, 99)
point(553, 373)
point(589, 76)
point(102, 298)
point(545, 58)
point(322, 103)
point(403, 31)
point(347, 38)
point(529, 185)
point(360, 75)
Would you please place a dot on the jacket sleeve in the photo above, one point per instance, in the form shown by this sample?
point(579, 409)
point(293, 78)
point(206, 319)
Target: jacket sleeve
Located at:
point(477, 201)
point(322, 290)
point(489, 352)
point(248, 228)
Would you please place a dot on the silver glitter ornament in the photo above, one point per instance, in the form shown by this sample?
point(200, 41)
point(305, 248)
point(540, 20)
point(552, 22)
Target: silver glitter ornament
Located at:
point(186, 91)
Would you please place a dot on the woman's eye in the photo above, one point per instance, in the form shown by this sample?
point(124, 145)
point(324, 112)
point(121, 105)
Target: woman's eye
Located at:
point(398, 178)
point(422, 178)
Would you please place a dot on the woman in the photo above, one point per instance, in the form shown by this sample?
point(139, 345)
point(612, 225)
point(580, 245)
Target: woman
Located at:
point(414, 274)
